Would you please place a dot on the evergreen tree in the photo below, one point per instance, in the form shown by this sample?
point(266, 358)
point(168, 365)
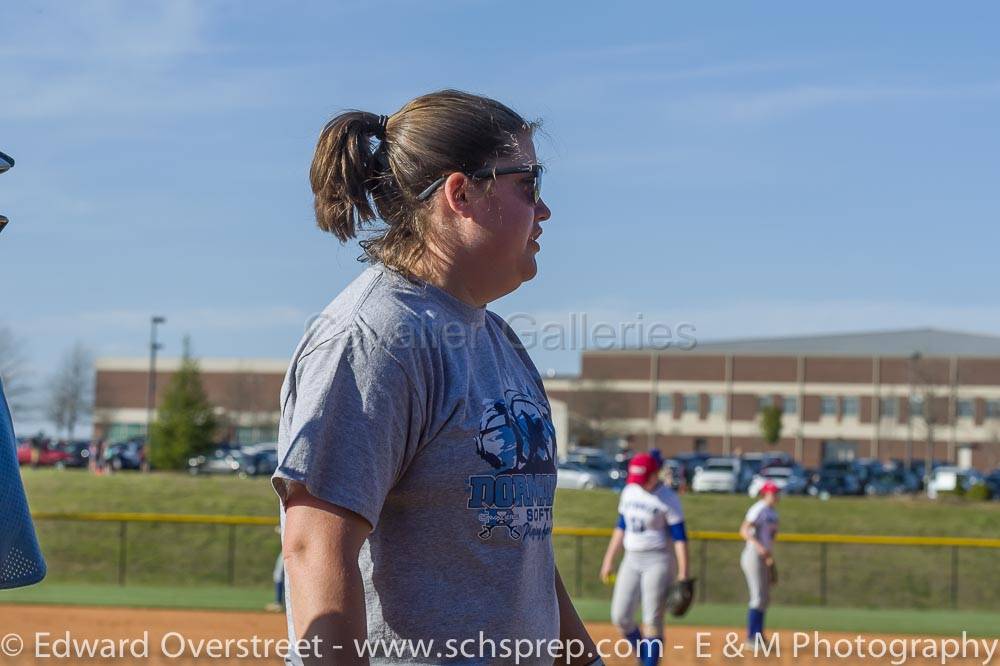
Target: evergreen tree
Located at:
point(185, 421)
point(770, 424)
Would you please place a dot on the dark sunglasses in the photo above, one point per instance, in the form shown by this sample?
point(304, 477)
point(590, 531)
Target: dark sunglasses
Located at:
point(535, 170)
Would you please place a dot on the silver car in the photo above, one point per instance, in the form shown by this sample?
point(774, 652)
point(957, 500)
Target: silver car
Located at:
point(574, 475)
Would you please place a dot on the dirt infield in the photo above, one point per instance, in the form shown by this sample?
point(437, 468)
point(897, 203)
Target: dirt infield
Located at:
point(193, 628)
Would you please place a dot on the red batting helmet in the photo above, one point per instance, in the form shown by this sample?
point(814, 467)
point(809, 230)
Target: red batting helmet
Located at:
point(769, 487)
point(641, 468)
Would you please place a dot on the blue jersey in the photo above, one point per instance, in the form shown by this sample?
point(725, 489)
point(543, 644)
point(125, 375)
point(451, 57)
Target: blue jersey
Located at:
point(21, 560)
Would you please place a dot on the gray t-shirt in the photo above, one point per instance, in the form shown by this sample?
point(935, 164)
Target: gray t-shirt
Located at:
point(427, 417)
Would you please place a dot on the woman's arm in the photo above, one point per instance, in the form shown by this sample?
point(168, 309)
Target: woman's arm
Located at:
point(571, 628)
point(320, 546)
point(608, 565)
point(748, 533)
point(681, 553)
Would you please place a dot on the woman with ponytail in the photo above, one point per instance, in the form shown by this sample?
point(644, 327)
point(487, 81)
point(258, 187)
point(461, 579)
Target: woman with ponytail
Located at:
point(416, 446)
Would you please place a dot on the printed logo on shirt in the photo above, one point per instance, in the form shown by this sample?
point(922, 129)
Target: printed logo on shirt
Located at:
point(518, 441)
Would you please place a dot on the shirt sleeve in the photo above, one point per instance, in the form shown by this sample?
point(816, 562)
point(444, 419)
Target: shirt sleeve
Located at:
point(753, 513)
point(355, 424)
point(675, 514)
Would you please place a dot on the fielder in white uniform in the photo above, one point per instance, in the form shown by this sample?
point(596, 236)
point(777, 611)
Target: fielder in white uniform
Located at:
point(651, 530)
point(759, 529)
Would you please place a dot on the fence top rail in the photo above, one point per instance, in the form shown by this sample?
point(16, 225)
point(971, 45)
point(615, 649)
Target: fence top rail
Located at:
point(208, 519)
point(201, 519)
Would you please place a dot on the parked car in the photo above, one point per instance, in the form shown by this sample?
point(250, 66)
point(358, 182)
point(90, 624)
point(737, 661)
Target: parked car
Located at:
point(675, 472)
point(992, 483)
point(717, 475)
point(833, 482)
point(892, 480)
point(619, 469)
point(259, 459)
point(950, 479)
point(77, 453)
point(691, 463)
point(590, 457)
point(790, 480)
point(918, 468)
point(223, 460)
point(750, 464)
point(48, 454)
point(574, 475)
point(600, 463)
point(125, 455)
point(845, 469)
point(867, 469)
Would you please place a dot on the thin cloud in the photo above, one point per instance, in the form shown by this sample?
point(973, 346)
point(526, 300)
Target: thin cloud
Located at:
point(775, 104)
point(118, 60)
point(108, 30)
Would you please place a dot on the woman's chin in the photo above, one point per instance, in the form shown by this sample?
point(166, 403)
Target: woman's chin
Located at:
point(529, 268)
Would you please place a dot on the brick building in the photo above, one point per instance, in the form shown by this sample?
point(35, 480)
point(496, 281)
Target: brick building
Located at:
point(855, 395)
point(887, 395)
point(243, 391)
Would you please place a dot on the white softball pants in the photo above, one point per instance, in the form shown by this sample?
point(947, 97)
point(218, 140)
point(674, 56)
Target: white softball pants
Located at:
point(756, 574)
point(643, 575)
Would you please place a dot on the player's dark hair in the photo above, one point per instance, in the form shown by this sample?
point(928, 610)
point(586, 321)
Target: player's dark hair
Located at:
point(356, 182)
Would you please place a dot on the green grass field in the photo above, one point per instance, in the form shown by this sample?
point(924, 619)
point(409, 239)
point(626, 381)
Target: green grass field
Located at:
point(75, 490)
point(198, 555)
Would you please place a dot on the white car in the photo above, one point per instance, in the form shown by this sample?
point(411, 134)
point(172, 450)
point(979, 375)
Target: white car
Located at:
point(717, 475)
point(788, 480)
point(949, 479)
point(572, 475)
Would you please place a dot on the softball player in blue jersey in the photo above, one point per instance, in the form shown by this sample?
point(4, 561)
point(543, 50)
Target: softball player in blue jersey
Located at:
point(651, 530)
point(21, 561)
point(759, 528)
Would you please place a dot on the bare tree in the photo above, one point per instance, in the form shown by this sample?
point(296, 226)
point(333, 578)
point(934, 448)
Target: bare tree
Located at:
point(596, 414)
point(71, 390)
point(14, 371)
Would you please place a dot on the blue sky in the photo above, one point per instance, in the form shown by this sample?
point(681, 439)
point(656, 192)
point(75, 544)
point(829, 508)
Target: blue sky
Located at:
point(747, 168)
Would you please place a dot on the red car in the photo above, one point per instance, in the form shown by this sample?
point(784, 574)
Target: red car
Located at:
point(47, 455)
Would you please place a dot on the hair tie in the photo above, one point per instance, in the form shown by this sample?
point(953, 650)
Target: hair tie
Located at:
point(382, 127)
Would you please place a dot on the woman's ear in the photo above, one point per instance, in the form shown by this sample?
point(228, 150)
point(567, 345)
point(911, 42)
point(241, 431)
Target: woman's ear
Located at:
point(456, 193)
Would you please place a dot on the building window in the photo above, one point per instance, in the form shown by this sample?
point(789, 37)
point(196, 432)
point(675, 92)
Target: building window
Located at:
point(888, 408)
point(916, 406)
point(851, 407)
point(827, 406)
point(763, 402)
point(965, 409)
point(121, 432)
point(664, 403)
point(716, 404)
point(255, 435)
point(791, 405)
point(691, 403)
point(993, 409)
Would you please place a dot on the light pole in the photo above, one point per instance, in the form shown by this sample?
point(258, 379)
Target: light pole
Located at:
point(154, 346)
point(914, 359)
